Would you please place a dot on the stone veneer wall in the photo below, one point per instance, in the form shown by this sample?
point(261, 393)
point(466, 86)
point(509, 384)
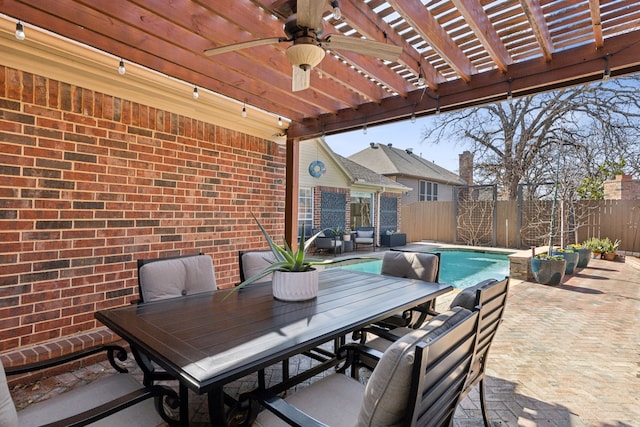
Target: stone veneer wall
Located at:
point(89, 183)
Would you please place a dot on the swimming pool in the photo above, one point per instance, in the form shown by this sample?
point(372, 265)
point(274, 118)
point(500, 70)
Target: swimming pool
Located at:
point(460, 268)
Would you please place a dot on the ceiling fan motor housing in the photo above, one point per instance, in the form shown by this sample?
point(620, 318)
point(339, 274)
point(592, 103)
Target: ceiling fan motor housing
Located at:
point(293, 30)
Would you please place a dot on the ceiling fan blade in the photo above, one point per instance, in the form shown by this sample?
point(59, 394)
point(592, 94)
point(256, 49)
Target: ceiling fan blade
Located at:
point(309, 13)
point(300, 79)
point(366, 47)
point(243, 45)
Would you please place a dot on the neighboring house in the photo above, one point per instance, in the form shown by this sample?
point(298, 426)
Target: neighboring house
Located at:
point(427, 180)
point(337, 192)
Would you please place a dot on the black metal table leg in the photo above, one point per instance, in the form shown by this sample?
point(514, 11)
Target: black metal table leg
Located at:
point(184, 406)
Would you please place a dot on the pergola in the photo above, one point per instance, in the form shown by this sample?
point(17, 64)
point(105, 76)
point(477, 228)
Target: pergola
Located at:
point(455, 54)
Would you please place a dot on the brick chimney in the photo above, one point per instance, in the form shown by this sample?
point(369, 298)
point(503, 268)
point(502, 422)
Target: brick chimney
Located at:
point(466, 167)
point(623, 187)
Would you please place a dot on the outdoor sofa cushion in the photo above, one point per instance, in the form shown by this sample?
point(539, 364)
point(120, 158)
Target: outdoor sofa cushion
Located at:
point(366, 234)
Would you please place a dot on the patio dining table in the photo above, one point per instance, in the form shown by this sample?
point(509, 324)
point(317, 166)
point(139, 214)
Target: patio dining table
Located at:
point(206, 341)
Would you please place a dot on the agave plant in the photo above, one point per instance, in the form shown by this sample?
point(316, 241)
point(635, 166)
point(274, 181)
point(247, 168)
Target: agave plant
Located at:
point(284, 257)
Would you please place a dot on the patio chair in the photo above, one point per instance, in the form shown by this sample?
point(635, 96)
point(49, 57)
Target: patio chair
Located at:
point(411, 265)
point(328, 241)
point(117, 400)
point(363, 236)
point(417, 382)
point(171, 277)
point(252, 263)
point(489, 298)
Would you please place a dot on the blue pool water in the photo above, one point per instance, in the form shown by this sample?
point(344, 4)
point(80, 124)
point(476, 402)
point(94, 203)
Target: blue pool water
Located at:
point(460, 268)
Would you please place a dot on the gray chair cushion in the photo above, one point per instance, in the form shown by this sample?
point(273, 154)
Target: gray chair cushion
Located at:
point(387, 391)
point(8, 416)
point(335, 400)
point(172, 278)
point(367, 234)
point(467, 297)
point(89, 396)
point(412, 265)
point(254, 262)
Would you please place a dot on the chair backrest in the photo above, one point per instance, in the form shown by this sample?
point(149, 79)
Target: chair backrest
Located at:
point(366, 232)
point(412, 265)
point(491, 298)
point(253, 262)
point(420, 377)
point(8, 414)
point(171, 277)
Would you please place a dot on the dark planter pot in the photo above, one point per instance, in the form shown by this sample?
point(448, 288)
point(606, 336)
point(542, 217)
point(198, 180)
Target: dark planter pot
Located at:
point(584, 256)
point(547, 271)
point(572, 260)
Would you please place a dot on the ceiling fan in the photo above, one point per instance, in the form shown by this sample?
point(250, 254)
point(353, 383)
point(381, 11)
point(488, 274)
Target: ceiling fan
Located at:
point(304, 27)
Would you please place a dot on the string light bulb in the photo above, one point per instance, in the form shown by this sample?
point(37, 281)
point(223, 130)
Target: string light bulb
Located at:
point(420, 76)
point(20, 35)
point(196, 95)
point(606, 74)
point(364, 129)
point(413, 117)
point(280, 121)
point(121, 68)
point(335, 9)
point(244, 110)
point(437, 105)
point(509, 93)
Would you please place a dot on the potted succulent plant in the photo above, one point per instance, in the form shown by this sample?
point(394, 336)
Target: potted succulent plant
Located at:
point(610, 249)
point(294, 277)
point(596, 246)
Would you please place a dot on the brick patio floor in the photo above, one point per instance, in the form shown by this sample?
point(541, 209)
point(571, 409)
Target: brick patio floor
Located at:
point(564, 356)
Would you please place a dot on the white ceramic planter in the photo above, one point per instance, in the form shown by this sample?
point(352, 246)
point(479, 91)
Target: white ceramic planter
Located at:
point(295, 286)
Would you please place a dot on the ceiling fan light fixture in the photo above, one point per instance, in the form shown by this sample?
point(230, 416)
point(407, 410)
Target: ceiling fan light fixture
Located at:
point(305, 56)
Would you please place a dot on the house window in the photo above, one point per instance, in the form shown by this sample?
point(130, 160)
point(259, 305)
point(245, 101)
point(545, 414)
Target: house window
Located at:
point(305, 211)
point(428, 191)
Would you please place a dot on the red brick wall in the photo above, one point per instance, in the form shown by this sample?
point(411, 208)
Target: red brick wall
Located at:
point(89, 183)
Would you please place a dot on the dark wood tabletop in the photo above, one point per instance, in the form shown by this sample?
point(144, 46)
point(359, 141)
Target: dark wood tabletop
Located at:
point(206, 342)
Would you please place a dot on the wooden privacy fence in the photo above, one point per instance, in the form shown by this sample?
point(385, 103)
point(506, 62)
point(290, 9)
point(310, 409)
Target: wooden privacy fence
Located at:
point(521, 225)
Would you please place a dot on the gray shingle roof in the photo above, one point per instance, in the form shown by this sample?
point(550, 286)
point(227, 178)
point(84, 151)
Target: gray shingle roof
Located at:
point(388, 160)
point(365, 175)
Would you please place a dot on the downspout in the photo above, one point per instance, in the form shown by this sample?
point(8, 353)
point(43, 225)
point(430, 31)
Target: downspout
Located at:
point(291, 191)
point(376, 234)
